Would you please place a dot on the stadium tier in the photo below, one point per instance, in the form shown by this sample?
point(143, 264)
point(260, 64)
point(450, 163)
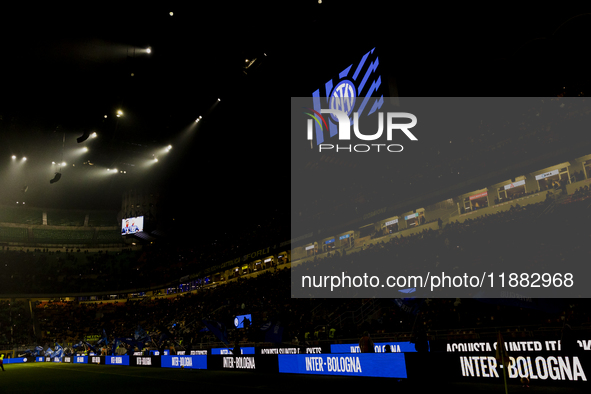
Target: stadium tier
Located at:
point(30, 227)
point(13, 234)
point(73, 219)
point(21, 215)
point(62, 236)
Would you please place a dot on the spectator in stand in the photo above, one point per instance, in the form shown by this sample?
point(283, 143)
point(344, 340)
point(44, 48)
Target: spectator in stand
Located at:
point(236, 351)
point(366, 345)
point(121, 350)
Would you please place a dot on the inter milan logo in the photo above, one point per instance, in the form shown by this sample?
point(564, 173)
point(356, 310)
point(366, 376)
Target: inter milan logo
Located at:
point(343, 98)
point(360, 79)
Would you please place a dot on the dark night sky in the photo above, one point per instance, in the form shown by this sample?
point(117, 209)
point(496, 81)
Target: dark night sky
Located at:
point(63, 70)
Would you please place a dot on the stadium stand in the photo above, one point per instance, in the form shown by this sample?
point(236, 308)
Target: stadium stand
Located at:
point(21, 215)
point(65, 218)
point(102, 219)
point(267, 295)
point(13, 234)
point(62, 236)
point(28, 227)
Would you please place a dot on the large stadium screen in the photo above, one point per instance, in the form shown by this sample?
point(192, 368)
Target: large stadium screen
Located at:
point(239, 320)
point(132, 225)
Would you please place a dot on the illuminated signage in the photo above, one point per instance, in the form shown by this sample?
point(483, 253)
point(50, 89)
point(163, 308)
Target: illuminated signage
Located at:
point(514, 184)
point(234, 262)
point(344, 236)
point(80, 359)
point(18, 360)
point(144, 361)
point(376, 365)
point(391, 222)
point(190, 362)
point(329, 241)
point(395, 347)
point(239, 363)
point(293, 350)
point(255, 254)
point(414, 215)
point(290, 350)
point(513, 346)
point(309, 247)
point(479, 195)
point(541, 367)
point(244, 350)
point(117, 360)
point(546, 175)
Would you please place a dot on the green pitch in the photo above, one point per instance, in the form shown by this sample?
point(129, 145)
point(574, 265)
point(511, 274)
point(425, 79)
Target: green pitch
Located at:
point(40, 378)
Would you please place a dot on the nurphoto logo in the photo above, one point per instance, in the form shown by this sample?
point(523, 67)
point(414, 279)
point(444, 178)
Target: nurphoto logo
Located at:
point(344, 130)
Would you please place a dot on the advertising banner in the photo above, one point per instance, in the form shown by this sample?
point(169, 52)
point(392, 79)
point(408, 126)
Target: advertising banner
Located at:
point(145, 361)
point(254, 363)
point(223, 350)
point(117, 360)
point(189, 362)
point(20, 360)
point(375, 365)
point(541, 368)
point(395, 347)
point(294, 350)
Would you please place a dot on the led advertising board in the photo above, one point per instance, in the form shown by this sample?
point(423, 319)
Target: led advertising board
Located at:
point(395, 347)
point(189, 362)
point(363, 364)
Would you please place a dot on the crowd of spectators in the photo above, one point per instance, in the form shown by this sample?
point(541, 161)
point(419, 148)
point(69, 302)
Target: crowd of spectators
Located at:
point(15, 322)
point(552, 238)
